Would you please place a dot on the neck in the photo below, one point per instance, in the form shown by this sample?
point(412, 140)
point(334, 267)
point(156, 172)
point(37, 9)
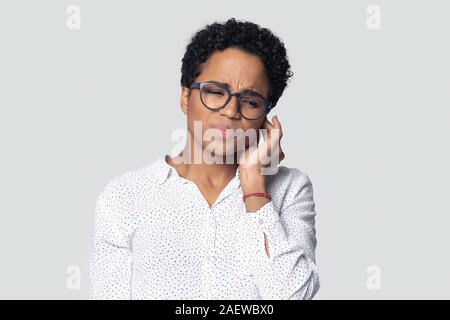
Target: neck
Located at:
point(193, 166)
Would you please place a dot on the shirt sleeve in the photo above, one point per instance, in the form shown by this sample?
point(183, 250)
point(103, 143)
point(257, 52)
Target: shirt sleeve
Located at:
point(290, 272)
point(110, 263)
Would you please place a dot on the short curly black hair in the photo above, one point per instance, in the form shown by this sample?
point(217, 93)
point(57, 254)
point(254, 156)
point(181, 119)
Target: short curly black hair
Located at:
point(243, 35)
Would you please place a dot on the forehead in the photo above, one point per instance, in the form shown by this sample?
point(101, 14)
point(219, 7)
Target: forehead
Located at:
point(235, 67)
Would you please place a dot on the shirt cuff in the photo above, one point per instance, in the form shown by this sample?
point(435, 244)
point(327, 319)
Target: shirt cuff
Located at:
point(266, 220)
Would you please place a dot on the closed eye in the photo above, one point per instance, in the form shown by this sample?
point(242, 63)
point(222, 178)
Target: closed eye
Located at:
point(215, 92)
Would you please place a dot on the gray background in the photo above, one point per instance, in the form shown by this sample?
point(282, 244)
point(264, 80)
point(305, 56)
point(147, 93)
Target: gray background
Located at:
point(366, 116)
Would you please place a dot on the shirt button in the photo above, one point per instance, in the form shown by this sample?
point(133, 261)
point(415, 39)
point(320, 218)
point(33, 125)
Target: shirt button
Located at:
point(260, 220)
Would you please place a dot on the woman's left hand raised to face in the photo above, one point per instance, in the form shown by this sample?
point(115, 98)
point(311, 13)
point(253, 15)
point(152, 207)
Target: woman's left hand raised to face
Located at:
point(267, 153)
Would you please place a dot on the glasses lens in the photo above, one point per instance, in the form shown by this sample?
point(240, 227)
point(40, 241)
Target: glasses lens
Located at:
point(252, 106)
point(214, 96)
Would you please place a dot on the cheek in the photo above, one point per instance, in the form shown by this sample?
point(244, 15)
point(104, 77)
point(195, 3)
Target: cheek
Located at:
point(252, 132)
point(197, 110)
point(253, 125)
point(198, 121)
point(195, 113)
point(260, 123)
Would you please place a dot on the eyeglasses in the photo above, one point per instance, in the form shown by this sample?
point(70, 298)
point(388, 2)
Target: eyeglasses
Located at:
point(216, 95)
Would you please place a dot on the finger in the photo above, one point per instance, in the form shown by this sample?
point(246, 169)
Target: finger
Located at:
point(277, 125)
point(264, 129)
point(268, 128)
point(264, 133)
point(267, 124)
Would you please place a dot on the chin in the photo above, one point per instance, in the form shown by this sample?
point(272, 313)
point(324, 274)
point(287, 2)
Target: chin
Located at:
point(218, 150)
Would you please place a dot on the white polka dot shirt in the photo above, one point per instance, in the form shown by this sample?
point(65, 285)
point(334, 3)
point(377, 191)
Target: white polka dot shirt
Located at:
point(156, 237)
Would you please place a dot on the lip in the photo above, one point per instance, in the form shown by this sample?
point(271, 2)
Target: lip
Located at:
point(227, 132)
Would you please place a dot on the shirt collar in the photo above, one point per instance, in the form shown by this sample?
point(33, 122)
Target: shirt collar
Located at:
point(163, 171)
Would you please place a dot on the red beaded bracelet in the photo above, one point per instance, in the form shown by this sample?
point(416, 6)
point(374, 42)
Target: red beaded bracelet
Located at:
point(259, 194)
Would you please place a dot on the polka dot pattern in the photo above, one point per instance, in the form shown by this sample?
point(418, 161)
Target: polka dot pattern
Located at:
point(156, 237)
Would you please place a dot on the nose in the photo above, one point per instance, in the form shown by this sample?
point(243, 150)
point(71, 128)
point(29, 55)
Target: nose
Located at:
point(231, 108)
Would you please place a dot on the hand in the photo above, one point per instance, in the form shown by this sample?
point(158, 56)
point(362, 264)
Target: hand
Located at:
point(253, 158)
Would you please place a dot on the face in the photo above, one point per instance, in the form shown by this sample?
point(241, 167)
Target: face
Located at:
point(240, 71)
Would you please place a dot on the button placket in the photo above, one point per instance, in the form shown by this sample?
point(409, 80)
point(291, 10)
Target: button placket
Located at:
point(214, 227)
point(211, 236)
point(208, 276)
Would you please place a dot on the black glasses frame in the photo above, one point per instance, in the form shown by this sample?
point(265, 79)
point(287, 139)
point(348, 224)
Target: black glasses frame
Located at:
point(239, 95)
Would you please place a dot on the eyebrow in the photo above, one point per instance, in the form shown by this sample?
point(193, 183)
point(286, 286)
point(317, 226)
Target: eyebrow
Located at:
point(246, 90)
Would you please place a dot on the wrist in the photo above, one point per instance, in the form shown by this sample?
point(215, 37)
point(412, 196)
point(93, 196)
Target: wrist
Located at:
point(253, 187)
point(252, 182)
point(252, 204)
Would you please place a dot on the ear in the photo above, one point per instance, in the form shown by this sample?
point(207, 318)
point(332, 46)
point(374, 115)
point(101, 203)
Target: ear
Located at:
point(184, 99)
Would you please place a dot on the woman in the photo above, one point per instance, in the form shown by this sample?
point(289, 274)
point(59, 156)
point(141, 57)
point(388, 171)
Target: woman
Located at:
point(210, 223)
